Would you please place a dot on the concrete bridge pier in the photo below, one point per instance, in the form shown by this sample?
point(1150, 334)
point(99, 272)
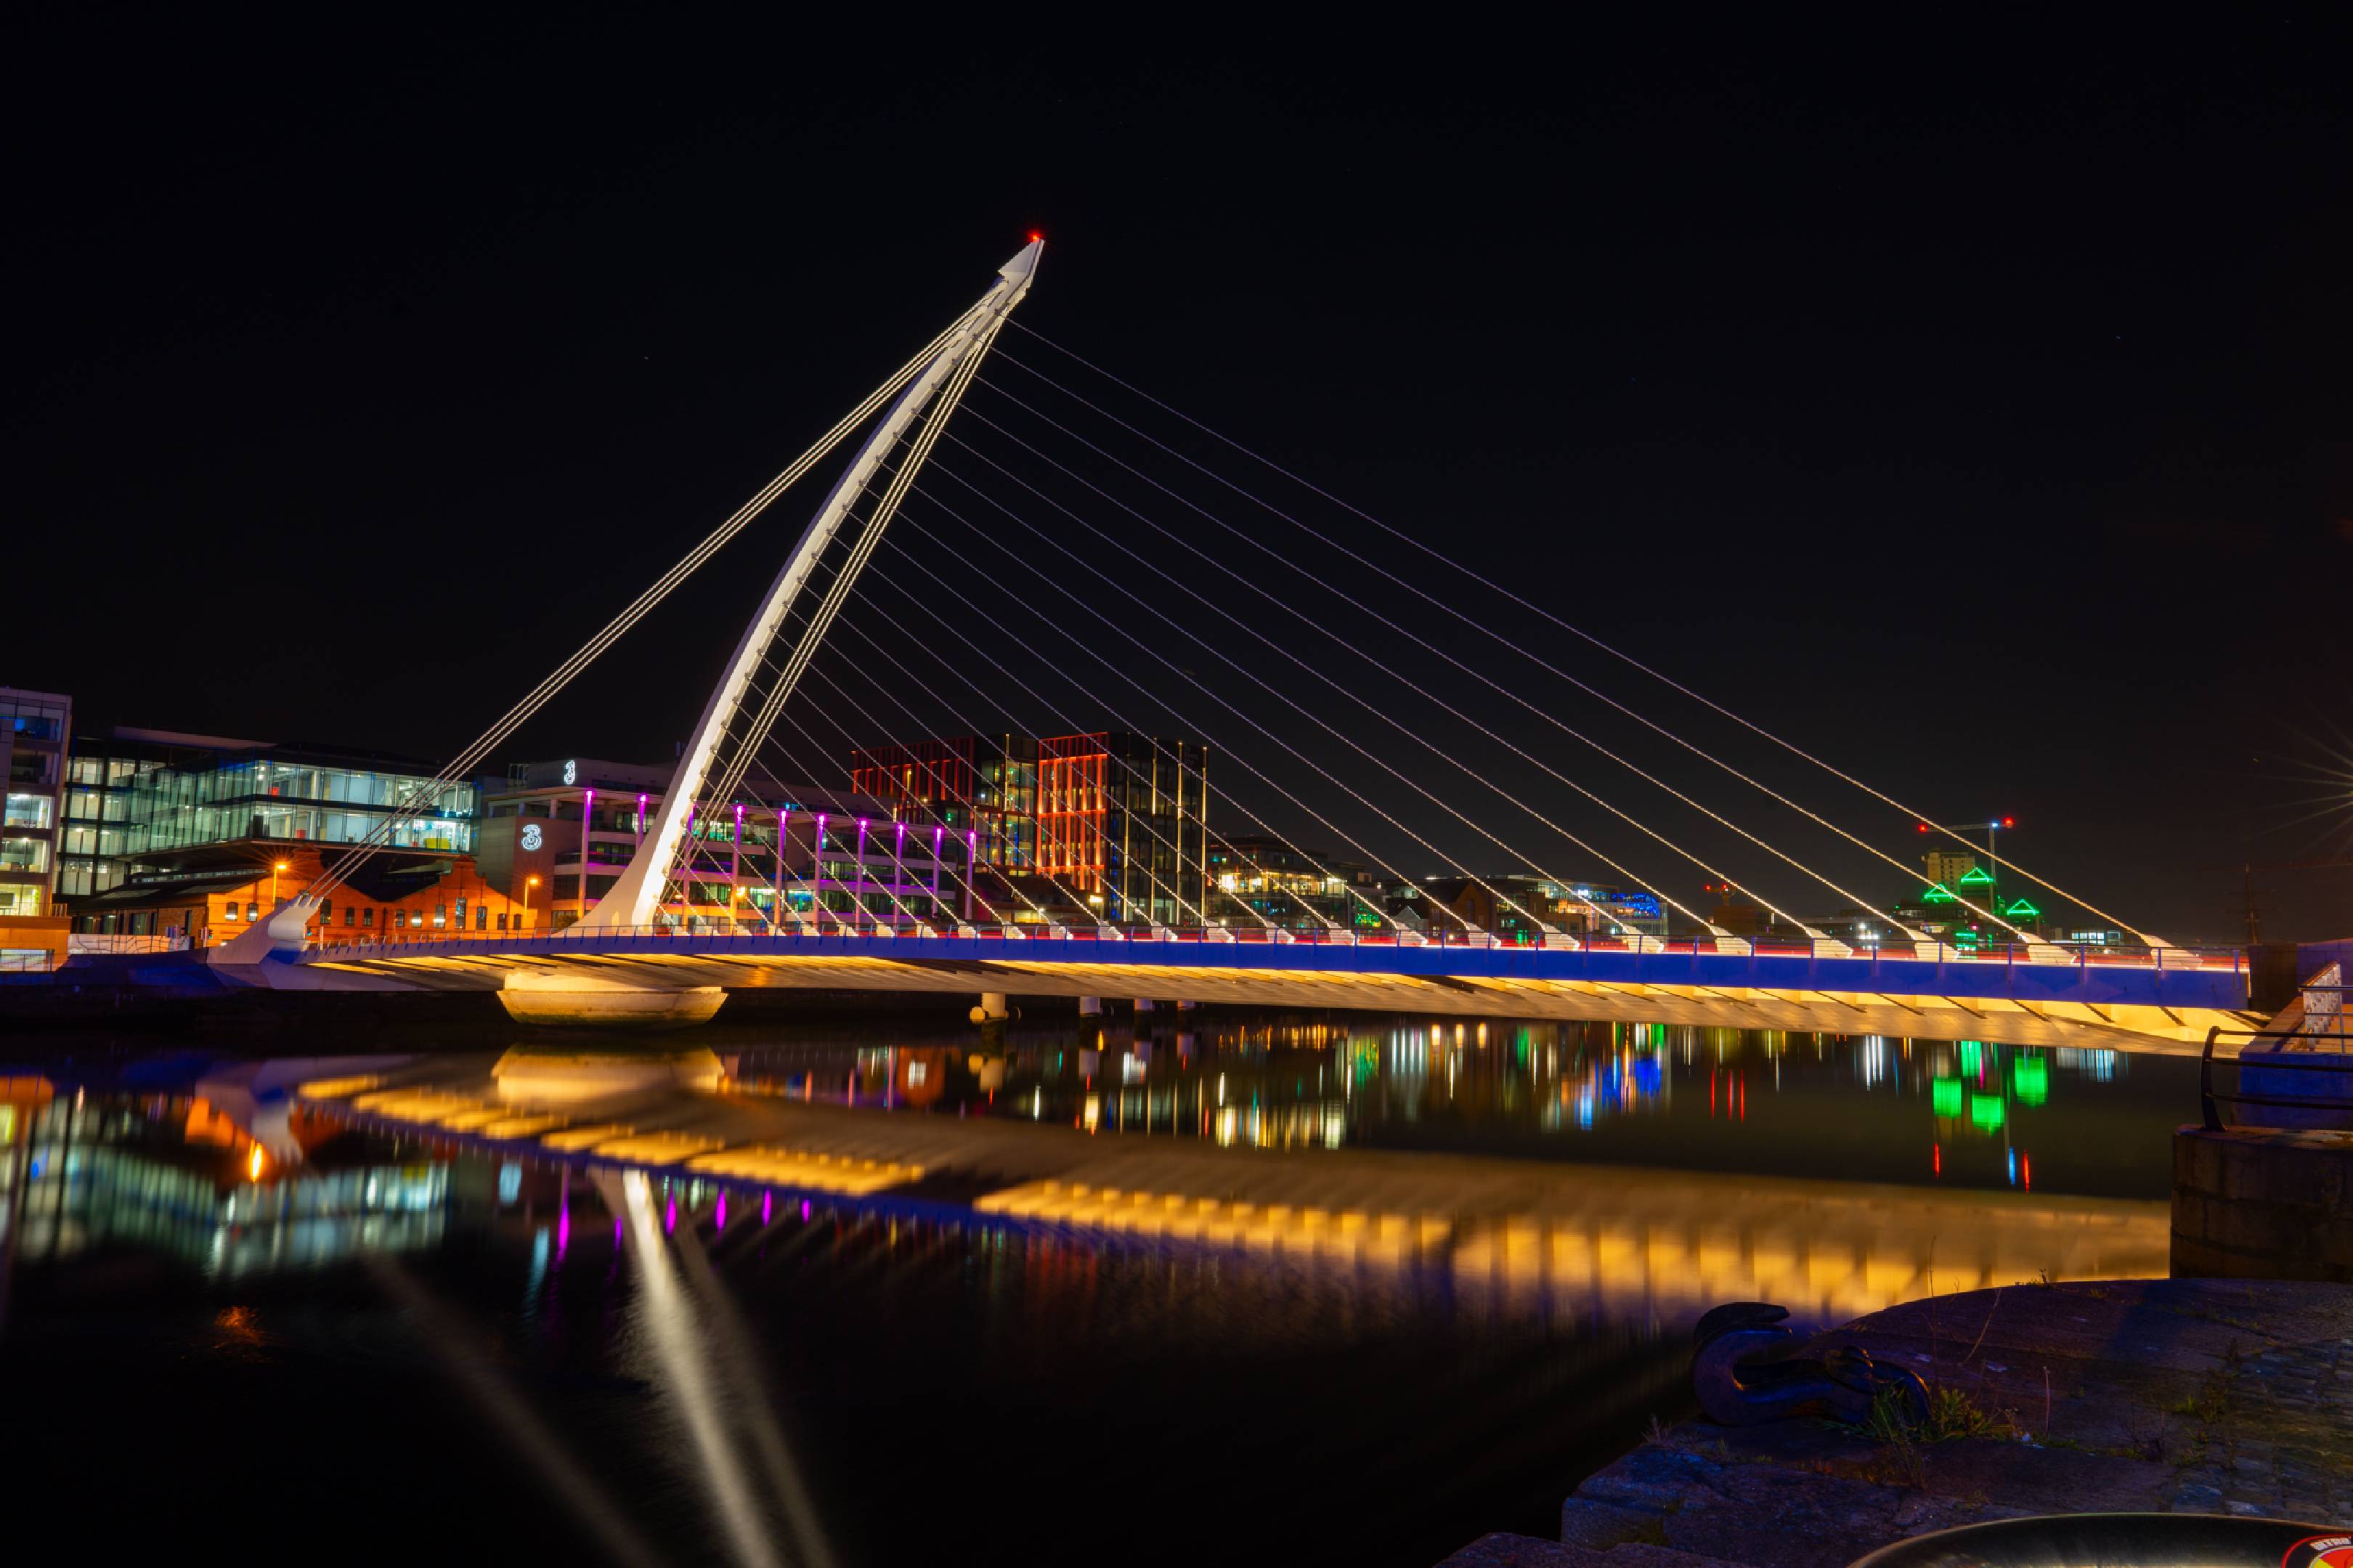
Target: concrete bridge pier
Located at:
point(992, 1008)
point(576, 1001)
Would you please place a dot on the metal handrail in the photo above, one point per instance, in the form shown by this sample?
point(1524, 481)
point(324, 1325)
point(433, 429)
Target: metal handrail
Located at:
point(2210, 1101)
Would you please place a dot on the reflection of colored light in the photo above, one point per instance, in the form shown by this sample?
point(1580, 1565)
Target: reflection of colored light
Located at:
point(1937, 1158)
point(669, 1216)
point(2029, 1077)
point(804, 1208)
point(1646, 1076)
point(1970, 1052)
point(2026, 1173)
point(2013, 1167)
point(563, 1231)
point(767, 1202)
point(719, 1214)
point(253, 1166)
point(1985, 1109)
point(1945, 1094)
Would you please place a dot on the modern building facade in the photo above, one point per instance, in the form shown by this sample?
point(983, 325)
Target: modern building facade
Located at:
point(1513, 906)
point(36, 728)
point(1108, 827)
point(985, 785)
point(135, 797)
point(1259, 879)
point(1122, 824)
point(555, 835)
point(173, 840)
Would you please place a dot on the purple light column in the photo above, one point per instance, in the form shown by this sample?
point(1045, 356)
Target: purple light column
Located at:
point(858, 898)
point(784, 832)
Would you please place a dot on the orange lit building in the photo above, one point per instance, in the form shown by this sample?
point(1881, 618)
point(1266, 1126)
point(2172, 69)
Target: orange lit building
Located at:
point(1115, 820)
point(1122, 820)
point(204, 897)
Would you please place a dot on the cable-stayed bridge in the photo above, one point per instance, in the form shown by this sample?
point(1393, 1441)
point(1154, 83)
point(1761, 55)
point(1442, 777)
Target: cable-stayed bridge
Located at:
point(1070, 563)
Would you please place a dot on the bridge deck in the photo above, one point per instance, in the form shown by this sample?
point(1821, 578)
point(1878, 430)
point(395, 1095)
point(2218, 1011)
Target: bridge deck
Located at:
point(2081, 1003)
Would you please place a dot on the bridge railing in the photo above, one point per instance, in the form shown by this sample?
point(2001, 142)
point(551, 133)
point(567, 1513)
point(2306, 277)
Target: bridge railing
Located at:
point(2307, 1102)
point(701, 930)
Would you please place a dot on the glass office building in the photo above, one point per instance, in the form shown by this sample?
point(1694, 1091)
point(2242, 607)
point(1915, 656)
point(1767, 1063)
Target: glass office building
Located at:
point(34, 726)
point(138, 798)
point(1120, 820)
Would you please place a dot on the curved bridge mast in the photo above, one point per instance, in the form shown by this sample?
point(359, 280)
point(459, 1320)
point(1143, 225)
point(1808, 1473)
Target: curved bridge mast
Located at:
point(737, 709)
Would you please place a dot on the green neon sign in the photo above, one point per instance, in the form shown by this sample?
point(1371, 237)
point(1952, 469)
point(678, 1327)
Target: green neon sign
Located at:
point(1944, 1095)
point(1975, 876)
point(1971, 1053)
point(1939, 894)
point(1985, 1109)
point(2030, 1079)
point(2023, 911)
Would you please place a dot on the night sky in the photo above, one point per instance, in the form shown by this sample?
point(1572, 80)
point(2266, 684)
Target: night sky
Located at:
point(1971, 407)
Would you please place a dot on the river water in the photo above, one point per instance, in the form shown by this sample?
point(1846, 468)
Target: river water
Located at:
point(379, 1351)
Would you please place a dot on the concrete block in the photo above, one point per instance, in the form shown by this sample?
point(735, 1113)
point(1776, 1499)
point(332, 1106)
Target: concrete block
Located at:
point(1598, 1525)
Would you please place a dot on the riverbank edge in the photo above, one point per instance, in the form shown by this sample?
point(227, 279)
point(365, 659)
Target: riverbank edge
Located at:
point(2169, 1395)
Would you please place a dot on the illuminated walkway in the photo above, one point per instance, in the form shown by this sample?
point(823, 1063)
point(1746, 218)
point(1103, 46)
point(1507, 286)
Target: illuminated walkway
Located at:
point(2142, 1005)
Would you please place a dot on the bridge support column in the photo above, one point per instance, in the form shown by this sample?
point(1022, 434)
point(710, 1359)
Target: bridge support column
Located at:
point(572, 1000)
point(1090, 1007)
point(1186, 1006)
point(992, 1008)
point(1144, 1004)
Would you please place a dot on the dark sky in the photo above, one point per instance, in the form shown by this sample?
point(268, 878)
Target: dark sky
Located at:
point(1970, 406)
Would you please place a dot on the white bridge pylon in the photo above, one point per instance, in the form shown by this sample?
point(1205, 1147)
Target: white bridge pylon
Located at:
point(741, 712)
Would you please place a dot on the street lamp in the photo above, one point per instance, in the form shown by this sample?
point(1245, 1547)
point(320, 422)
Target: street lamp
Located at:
point(276, 867)
point(528, 884)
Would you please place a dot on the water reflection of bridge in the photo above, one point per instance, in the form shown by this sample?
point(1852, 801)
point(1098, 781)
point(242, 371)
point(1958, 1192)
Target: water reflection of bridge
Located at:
point(1564, 1236)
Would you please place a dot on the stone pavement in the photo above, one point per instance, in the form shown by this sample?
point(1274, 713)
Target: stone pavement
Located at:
point(2186, 1395)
